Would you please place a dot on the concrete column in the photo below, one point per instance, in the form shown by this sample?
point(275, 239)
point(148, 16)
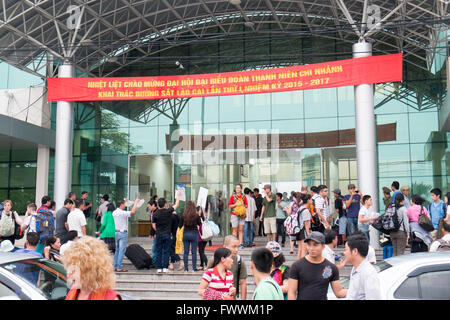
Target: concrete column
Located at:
point(366, 138)
point(64, 142)
point(42, 171)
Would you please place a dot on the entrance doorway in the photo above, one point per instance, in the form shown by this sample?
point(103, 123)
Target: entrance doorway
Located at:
point(339, 168)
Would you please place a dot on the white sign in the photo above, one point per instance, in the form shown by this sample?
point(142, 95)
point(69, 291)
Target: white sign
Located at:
point(202, 196)
point(182, 188)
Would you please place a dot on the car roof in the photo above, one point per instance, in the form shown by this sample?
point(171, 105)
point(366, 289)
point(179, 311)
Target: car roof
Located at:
point(9, 257)
point(419, 257)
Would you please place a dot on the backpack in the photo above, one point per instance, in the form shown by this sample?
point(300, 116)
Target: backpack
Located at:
point(240, 210)
point(316, 224)
point(7, 225)
point(45, 225)
point(292, 223)
point(443, 245)
point(390, 221)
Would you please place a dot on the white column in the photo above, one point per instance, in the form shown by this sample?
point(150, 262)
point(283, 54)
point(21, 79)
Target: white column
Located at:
point(64, 142)
point(43, 159)
point(366, 138)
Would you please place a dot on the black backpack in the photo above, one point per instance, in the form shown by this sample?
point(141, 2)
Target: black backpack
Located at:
point(390, 221)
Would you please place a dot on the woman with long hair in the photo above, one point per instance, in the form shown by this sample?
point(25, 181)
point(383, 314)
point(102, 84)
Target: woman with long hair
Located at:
point(90, 270)
point(420, 238)
point(107, 230)
point(400, 237)
point(217, 281)
point(304, 219)
point(191, 221)
point(201, 243)
point(238, 208)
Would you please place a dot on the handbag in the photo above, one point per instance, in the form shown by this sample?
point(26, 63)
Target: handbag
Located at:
point(211, 294)
point(425, 221)
point(207, 232)
point(214, 227)
point(179, 241)
point(18, 232)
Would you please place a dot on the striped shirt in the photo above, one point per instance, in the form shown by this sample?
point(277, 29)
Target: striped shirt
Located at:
point(216, 282)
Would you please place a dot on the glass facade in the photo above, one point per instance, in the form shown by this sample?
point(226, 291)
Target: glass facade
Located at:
point(314, 128)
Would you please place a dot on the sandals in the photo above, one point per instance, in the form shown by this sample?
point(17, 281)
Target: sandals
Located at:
point(121, 270)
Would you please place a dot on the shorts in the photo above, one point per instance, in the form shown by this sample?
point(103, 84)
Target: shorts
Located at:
point(270, 225)
point(343, 225)
point(236, 220)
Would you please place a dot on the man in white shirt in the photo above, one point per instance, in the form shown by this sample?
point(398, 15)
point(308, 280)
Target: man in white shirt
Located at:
point(331, 240)
point(121, 221)
point(365, 217)
point(444, 241)
point(76, 220)
point(102, 208)
point(364, 280)
point(29, 223)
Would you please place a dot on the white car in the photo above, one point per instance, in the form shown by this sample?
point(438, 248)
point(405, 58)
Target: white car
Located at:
point(415, 276)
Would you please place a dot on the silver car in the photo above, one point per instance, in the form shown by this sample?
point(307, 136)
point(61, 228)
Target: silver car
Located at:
point(415, 276)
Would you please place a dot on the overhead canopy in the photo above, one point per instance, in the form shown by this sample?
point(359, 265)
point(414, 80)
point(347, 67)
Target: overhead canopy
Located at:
point(110, 30)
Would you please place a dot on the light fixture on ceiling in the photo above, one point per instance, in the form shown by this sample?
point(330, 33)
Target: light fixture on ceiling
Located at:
point(179, 65)
point(235, 2)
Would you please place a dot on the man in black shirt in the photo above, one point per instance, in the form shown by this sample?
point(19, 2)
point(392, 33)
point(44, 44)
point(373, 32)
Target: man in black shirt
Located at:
point(311, 275)
point(162, 223)
point(339, 207)
point(258, 200)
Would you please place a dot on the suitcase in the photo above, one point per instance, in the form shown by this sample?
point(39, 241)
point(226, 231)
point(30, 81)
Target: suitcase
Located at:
point(138, 256)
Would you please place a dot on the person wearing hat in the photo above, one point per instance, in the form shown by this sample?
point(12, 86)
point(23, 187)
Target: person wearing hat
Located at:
point(311, 275)
point(387, 199)
point(339, 206)
point(7, 246)
point(279, 272)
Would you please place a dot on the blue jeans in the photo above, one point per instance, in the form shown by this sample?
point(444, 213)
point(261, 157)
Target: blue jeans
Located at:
point(352, 225)
point(163, 244)
point(248, 233)
point(121, 247)
point(190, 239)
point(154, 254)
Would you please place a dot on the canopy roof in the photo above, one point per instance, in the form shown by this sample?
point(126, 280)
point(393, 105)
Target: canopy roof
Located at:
point(33, 31)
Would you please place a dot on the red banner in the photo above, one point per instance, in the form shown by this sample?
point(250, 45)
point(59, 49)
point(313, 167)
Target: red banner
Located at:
point(367, 70)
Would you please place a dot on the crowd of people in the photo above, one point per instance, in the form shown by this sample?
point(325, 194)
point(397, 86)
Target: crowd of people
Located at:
point(310, 221)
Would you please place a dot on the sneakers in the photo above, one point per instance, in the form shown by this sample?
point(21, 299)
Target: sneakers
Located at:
point(165, 270)
point(159, 270)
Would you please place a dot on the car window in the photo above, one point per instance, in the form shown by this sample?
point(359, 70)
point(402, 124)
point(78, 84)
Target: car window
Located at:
point(381, 266)
point(409, 289)
point(435, 285)
point(49, 281)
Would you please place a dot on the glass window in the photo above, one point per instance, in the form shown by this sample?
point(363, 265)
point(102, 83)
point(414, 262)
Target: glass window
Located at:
point(205, 108)
point(402, 127)
point(21, 198)
point(257, 107)
point(393, 160)
point(434, 285)
point(385, 99)
point(287, 105)
point(4, 173)
point(422, 124)
point(346, 101)
point(320, 103)
point(231, 108)
point(23, 174)
point(24, 155)
point(144, 140)
point(409, 289)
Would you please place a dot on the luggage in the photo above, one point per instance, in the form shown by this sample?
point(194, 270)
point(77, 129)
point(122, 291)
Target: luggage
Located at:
point(138, 256)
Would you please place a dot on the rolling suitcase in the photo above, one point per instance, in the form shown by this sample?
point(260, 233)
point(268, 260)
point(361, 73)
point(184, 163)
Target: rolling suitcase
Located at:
point(138, 256)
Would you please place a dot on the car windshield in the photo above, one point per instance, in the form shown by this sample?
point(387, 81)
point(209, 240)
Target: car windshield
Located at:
point(47, 276)
point(381, 266)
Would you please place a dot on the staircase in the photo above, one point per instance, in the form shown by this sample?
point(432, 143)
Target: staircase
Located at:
point(178, 285)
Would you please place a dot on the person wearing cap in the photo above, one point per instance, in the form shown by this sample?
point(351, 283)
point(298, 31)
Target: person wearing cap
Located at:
point(353, 204)
point(260, 264)
point(311, 275)
point(387, 199)
point(339, 206)
point(7, 246)
point(268, 213)
point(279, 272)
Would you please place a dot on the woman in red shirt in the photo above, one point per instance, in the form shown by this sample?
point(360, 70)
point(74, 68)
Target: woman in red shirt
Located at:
point(238, 204)
point(217, 281)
